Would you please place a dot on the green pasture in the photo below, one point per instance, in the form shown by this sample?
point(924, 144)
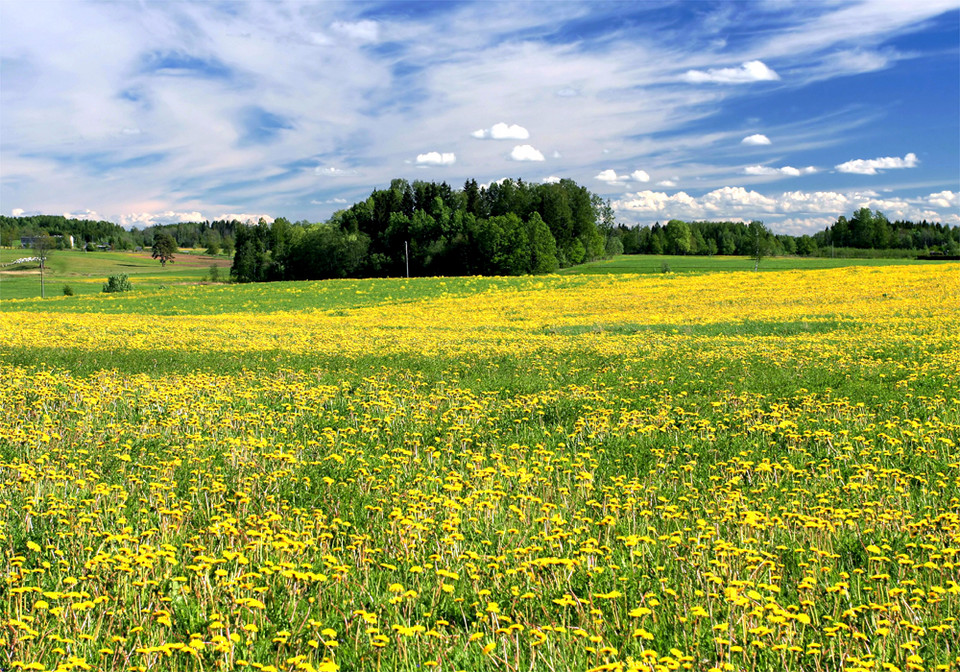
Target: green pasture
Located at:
point(650, 263)
point(86, 272)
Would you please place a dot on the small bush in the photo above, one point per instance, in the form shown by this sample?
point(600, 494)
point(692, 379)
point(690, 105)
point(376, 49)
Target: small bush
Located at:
point(664, 267)
point(67, 290)
point(214, 273)
point(118, 283)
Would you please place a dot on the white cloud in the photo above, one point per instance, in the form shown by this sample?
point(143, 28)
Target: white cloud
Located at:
point(245, 217)
point(332, 171)
point(329, 201)
point(359, 31)
point(86, 214)
point(502, 131)
point(944, 199)
point(788, 171)
point(145, 219)
point(67, 98)
point(526, 153)
point(552, 179)
point(871, 166)
point(756, 139)
point(798, 226)
point(436, 159)
point(791, 211)
point(751, 71)
point(610, 176)
point(16, 212)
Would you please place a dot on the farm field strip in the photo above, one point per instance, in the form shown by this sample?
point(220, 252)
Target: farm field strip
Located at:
point(732, 471)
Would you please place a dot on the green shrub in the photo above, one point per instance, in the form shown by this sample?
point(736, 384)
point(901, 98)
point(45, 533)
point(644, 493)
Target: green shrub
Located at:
point(67, 290)
point(118, 283)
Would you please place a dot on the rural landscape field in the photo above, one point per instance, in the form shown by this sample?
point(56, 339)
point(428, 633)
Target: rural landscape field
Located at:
point(607, 471)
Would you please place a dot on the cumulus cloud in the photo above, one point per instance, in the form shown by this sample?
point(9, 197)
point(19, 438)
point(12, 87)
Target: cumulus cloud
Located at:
point(526, 153)
point(86, 214)
point(359, 31)
point(666, 183)
point(944, 199)
point(245, 217)
point(436, 159)
point(872, 166)
point(16, 212)
point(751, 71)
point(610, 176)
point(798, 208)
point(552, 179)
point(502, 131)
point(788, 171)
point(756, 139)
point(332, 171)
point(145, 219)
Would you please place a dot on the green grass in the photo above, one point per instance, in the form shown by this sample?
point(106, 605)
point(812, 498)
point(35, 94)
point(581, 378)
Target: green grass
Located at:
point(183, 295)
point(649, 263)
point(86, 272)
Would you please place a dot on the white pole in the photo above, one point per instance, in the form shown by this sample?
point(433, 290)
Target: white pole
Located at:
point(406, 253)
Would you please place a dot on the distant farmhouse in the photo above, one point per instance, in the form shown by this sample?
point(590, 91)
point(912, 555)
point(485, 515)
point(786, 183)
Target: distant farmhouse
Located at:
point(30, 241)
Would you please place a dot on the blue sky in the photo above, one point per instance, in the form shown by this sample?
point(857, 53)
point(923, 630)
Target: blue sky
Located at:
point(793, 112)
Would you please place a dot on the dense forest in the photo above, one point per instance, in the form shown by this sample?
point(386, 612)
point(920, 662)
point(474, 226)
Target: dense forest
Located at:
point(506, 228)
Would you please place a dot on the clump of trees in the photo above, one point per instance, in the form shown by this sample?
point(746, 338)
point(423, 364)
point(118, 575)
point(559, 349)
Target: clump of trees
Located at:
point(508, 228)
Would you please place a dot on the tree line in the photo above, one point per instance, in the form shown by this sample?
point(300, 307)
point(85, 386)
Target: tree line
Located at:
point(215, 237)
point(865, 230)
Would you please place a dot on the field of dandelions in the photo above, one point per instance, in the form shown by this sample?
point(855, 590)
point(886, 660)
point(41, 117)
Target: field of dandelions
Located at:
point(728, 471)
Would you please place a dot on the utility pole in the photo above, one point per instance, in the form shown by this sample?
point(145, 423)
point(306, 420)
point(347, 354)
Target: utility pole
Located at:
point(406, 254)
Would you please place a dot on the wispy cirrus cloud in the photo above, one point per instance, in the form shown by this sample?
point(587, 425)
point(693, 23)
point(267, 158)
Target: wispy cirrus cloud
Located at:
point(333, 171)
point(147, 109)
point(783, 171)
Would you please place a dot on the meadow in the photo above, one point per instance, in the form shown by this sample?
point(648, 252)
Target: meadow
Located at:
point(700, 471)
point(86, 272)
